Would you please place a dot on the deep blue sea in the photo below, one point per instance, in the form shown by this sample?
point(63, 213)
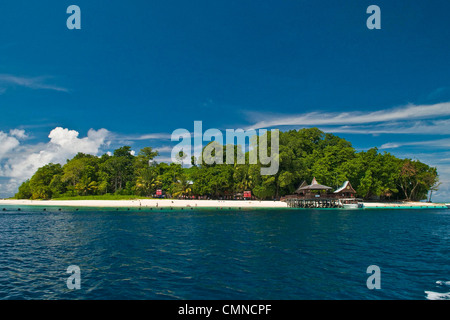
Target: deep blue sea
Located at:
point(224, 254)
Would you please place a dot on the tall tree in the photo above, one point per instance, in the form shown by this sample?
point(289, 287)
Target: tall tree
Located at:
point(120, 168)
point(40, 182)
point(416, 179)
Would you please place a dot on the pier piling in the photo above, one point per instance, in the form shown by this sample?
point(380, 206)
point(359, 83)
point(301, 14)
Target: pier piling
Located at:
point(313, 203)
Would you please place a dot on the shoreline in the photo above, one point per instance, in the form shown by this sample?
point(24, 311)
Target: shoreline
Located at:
point(175, 203)
point(149, 203)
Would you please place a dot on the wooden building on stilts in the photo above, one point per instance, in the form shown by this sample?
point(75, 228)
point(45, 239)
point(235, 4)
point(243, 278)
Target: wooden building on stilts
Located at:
point(317, 195)
point(346, 190)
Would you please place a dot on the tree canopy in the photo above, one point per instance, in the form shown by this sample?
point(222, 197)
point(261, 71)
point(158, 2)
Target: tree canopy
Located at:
point(303, 154)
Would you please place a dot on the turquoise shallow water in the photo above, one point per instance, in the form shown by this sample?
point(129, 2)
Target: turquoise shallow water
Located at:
point(224, 254)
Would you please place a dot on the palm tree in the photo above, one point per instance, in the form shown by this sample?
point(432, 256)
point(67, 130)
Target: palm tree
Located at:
point(85, 185)
point(244, 180)
point(182, 186)
point(147, 181)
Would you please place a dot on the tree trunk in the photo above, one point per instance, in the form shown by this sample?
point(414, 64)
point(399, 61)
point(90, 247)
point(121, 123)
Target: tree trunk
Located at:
point(412, 191)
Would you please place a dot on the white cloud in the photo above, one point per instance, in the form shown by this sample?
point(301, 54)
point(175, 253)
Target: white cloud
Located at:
point(68, 142)
point(18, 133)
point(63, 145)
point(7, 143)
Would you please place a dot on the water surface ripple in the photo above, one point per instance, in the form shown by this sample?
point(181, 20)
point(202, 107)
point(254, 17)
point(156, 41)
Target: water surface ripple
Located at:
point(224, 254)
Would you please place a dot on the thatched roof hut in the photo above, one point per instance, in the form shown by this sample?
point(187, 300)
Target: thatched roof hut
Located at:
point(304, 184)
point(314, 186)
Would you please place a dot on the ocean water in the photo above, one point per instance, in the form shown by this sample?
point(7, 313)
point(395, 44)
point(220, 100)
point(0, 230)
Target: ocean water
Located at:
point(224, 254)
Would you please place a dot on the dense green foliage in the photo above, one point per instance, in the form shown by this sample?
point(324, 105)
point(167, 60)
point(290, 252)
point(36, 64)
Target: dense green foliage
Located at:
point(304, 154)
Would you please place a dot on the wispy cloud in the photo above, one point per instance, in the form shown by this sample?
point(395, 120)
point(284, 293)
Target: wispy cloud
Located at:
point(439, 93)
point(141, 137)
point(348, 120)
point(35, 83)
point(422, 127)
point(439, 143)
point(152, 136)
point(164, 149)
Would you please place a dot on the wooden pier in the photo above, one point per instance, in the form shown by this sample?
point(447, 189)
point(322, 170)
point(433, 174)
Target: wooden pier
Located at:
point(299, 202)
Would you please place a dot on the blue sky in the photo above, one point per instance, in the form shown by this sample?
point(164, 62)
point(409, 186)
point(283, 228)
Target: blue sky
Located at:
point(138, 70)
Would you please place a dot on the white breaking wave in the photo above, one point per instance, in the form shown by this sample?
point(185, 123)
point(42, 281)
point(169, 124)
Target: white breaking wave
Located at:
point(431, 295)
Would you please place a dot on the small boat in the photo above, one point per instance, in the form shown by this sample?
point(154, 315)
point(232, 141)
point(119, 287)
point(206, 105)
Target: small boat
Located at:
point(351, 203)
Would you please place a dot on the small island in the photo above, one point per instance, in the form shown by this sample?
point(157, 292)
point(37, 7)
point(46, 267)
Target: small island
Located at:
point(122, 179)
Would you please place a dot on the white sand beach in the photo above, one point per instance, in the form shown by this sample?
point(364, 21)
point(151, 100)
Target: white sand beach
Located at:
point(148, 203)
point(154, 203)
point(403, 204)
